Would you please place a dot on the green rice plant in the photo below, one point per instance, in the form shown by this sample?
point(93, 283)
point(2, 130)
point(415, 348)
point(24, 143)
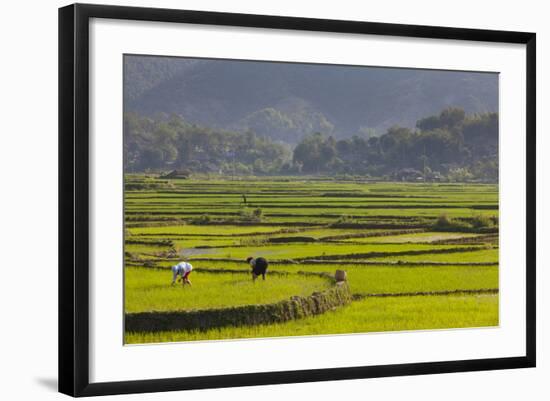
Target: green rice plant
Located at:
point(202, 219)
point(391, 279)
point(481, 221)
point(419, 237)
point(377, 279)
point(343, 220)
point(364, 228)
point(253, 241)
point(481, 256)
point(445, 223)
point(204, 230)
point(250, 215)
point(364, 316)
point(335, 251)
point(151, 290)
point(145, 249)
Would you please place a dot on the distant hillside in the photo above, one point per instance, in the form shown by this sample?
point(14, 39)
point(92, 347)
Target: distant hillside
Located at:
point(289, 101)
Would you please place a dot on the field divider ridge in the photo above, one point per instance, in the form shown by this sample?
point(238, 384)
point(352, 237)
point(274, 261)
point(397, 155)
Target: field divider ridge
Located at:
point(296, 307)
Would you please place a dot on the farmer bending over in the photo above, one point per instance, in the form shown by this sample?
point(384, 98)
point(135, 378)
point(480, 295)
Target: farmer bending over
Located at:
point(259, 267)
point(182, 269)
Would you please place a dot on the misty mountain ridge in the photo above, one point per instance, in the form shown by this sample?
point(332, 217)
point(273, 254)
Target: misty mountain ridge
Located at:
point(287, 101)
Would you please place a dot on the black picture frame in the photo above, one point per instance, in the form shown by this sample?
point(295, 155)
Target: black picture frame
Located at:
point(74, 198)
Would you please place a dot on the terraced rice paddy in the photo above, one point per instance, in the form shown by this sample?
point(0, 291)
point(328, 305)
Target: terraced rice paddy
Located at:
point(406, 269)
point(146, 290)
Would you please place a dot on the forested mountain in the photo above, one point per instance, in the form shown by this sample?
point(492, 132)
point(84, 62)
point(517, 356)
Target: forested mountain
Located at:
point(286, 102)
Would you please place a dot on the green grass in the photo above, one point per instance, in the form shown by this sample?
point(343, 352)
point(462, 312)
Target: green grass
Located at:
point(481, 256)
point(192, 242)
point(413, 238)
point(145, 249)
point(367, 315)
point(375, 279)
point(399, 279)
point(203, 230)
point(312, 250)
point(150, 290)
point(320, 233)
point(309, 207)
point(305, 199)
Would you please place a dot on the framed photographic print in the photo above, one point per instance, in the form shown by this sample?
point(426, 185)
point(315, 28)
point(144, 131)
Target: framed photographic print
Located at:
point(250, 199)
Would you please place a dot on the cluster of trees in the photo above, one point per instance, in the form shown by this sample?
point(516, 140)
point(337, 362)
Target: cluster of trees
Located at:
point(170, 142)
point(456, 146)
point(451, 145)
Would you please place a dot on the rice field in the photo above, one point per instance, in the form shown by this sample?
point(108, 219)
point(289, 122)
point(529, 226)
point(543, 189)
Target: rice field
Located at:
point(147, 290)
point(367, 315)
point(416, 255)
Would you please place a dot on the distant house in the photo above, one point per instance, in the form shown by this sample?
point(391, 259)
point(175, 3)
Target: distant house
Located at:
point(435, 176)
point(182, 174)
point(408, 174)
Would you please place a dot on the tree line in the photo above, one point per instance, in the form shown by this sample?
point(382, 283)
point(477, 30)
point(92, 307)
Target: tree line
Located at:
point(154, 144)
point(450, 145)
